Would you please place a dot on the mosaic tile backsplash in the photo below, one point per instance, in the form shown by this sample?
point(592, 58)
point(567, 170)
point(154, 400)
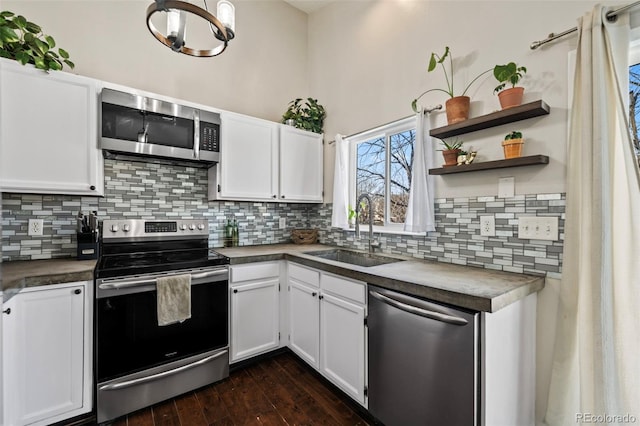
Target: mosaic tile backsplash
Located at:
point(145, 190)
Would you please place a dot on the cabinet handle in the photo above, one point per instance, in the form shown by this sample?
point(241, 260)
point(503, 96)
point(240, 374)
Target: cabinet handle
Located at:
point(92, 187)
point(321, 297)
point(235, 290)
point(275, 196)
point(282, 196)
point(7, 311)
point(314, 294)
point(77, 291)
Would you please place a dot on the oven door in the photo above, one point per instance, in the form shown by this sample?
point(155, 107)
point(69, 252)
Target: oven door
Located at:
point(128, 337)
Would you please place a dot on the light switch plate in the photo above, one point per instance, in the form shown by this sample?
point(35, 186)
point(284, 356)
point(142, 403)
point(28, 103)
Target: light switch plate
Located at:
point(282, 223)
point(507, 187)
point(538, 228)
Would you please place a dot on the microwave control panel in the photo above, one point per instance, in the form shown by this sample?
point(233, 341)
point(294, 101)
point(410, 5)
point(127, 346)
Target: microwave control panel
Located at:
point(209, 137)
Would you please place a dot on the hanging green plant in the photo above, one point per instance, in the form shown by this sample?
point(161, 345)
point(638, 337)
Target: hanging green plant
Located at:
point(25, 42)
point(307, 116)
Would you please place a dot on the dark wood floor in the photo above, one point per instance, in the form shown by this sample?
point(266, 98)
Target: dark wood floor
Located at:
point(280, 390)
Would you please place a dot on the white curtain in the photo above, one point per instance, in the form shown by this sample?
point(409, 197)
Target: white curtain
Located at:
point(339, 214)
point(596, 367)
point(420, 211)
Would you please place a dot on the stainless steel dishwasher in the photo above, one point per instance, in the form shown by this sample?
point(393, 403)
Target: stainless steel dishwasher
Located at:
point(423, 361)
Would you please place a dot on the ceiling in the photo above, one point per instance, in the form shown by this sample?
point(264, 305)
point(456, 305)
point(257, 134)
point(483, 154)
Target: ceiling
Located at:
point(309, 6)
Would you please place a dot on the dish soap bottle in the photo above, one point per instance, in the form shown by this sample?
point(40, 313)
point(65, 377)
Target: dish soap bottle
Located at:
point(234, 233)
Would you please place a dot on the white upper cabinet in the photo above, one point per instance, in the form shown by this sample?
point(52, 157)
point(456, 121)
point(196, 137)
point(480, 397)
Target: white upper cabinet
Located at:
point(265, 161)
point(248, 160)
point(48, 132)
point(300, 165)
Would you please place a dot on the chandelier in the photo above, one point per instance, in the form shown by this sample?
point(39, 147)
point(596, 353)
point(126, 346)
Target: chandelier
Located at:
point(221, 27)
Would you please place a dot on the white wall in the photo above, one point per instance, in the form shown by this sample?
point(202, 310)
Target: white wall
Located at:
point(368, 60)
point(263, 68)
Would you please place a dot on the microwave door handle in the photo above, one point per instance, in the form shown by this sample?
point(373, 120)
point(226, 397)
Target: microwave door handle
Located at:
point(196, 134)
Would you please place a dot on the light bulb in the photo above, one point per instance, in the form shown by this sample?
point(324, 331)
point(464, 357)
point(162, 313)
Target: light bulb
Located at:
point(227, 14)
point(173, 22)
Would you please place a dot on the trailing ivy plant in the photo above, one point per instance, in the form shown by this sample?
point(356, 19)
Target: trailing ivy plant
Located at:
point(308, 115)
point(25, 42)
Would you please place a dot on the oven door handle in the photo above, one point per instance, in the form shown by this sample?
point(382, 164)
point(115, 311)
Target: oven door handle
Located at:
point(136, 283)
point(158, 376)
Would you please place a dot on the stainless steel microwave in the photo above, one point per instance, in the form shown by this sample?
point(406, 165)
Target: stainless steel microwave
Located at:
point(151, 129)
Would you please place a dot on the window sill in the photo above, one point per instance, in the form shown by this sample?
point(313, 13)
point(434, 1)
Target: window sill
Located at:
point(381, 230)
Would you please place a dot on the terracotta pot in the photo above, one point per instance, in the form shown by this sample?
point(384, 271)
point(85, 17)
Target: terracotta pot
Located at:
point(450, 157)
point(511, 97)
point(457, 109)
point(512, 148)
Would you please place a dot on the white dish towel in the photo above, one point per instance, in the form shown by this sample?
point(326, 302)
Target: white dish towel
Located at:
point(174, 299)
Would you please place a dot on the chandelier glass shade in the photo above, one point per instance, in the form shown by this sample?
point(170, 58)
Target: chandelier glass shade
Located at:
point(179, 12)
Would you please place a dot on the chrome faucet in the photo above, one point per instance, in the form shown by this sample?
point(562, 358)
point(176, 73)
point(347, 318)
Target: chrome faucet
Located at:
point(372, 243)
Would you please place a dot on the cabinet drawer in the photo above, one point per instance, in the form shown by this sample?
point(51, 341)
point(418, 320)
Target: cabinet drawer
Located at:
point(254, 271)
point(354, 290)
point(305, 275)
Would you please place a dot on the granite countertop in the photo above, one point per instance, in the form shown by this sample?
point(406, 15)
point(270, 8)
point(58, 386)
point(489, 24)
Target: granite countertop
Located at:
point(31, 273)
point(468, 287)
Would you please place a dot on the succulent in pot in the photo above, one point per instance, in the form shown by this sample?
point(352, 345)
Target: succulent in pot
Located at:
point(512, 145)
point(509, 74)
point(451, 151)
point(457, 107)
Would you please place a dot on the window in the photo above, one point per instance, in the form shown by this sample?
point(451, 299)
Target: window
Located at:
point(381, 167)
point(634, 94)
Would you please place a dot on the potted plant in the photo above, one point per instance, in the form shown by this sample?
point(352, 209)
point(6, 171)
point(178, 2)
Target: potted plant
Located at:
point(512, 145)
point(25, 42)
point(308, 115)
point(451, 151)
point(457, 107)
point(509, 74)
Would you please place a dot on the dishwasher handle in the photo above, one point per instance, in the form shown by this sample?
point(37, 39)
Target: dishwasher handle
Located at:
point(449, 319)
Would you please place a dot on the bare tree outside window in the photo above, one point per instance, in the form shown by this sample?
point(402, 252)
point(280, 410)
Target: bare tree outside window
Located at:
point(634, 107)
point(387, 178)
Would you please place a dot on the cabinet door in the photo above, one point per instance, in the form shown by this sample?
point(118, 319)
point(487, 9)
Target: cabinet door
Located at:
point(300, 165)
point(254, 318)
point(48, 132)
point(45, 367)
point(342, 358)
point(304, 322)
point(248, 160)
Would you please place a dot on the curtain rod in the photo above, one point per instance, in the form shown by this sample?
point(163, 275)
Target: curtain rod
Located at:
point(611, 16)
point(426, 111)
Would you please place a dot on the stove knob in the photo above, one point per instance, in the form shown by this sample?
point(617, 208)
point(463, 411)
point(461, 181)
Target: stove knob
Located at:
point(125, 228)
point(201, 226)
point(114, 228)
point(183, 227)
point(192, 227)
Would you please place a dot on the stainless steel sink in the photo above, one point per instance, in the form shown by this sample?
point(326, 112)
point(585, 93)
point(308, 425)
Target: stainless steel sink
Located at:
point(353, 257)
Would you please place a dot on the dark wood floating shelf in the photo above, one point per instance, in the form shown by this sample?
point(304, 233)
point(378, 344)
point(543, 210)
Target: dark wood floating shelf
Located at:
point(489, 165)
point(522, 112)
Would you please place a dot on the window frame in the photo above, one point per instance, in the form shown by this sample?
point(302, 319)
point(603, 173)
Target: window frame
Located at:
point(385, 131)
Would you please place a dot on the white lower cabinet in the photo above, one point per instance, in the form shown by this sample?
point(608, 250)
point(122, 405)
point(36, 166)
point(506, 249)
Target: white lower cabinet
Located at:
point(255, 309)
point(47, 361)
point(326, 323)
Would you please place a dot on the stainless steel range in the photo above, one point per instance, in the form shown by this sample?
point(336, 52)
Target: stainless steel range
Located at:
point(138, 361)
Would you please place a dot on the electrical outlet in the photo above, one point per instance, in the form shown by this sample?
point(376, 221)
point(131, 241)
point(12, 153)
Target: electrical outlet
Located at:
point(538, 228)
point(488, 226)
point(35, 227)
point(283, 222)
